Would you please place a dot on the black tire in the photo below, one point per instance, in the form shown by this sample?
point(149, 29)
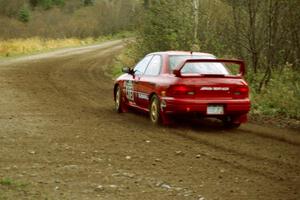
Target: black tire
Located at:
point(118, 100)
point(232, 125)
point(154, 110)
point(229, 123)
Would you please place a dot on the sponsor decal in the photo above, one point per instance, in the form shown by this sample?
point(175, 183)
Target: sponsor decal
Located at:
point(214, 89)
point(129, 90)
point(142, 96)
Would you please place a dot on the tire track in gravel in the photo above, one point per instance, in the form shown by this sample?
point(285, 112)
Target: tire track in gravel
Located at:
point(254, 163)
point(292, 140)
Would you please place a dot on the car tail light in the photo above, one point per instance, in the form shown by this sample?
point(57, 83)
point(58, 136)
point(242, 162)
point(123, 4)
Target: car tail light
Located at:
point(240, 92)
point(180, 90)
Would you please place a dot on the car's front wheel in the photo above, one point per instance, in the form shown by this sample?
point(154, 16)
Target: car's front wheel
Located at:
point(118, 100)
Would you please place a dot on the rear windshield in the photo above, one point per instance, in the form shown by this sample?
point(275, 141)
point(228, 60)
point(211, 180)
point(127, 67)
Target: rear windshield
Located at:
point(197, 67)
point(204, 68)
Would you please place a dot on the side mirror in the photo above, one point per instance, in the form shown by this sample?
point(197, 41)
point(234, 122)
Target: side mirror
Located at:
point(177, 72)
point(127, 70)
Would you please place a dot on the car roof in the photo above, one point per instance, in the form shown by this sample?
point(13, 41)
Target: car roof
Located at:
point(182, 53)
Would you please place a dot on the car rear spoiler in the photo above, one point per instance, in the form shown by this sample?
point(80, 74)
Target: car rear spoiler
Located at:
point(177, 70)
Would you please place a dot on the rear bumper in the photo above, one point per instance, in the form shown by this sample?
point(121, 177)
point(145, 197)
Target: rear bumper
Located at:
point(182, 105)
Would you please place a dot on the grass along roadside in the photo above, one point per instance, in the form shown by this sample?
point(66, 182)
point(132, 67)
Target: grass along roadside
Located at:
point(12, 189)
point(11, 183)
point(19, 47)
point(279, 102)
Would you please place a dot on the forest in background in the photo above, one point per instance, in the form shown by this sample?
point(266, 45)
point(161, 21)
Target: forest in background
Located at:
point(30, 26)
point(65, 18)
point(263, 33)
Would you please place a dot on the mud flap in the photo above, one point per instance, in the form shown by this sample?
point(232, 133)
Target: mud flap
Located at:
point(124, 107)
point(165, 119)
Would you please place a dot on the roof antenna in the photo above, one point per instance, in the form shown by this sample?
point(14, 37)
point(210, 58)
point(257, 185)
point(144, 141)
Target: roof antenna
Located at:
point(191, 52)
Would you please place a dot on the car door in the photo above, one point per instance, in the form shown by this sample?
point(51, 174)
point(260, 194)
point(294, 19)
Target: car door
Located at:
point(148, 81)
point(131, 85)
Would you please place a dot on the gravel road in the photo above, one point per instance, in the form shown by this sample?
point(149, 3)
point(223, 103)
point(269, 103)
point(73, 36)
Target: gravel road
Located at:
point(61, 139)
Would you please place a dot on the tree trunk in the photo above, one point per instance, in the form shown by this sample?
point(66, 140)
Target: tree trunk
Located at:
point(237, 28)
point(146, 4)
point(196, 20)
point(252, 9)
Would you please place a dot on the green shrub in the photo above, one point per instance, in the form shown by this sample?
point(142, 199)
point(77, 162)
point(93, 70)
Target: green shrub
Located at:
point(6, 181)
point(24, 14)
point(281, 97)
point(88, 2)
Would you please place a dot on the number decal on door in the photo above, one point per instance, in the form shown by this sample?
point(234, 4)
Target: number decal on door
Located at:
point(129, 90)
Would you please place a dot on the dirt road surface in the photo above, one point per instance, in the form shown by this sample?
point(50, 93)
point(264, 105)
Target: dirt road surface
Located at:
point(61, 139)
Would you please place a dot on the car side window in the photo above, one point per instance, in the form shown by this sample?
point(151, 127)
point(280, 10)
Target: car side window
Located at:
point(153, 68)
point(139, 69)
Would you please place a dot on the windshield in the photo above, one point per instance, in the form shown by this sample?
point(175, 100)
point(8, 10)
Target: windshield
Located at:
point(204, 68)
point(197, 67)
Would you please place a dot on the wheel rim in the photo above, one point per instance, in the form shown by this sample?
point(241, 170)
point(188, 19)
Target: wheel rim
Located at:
point(118, 99)
point(154, 113)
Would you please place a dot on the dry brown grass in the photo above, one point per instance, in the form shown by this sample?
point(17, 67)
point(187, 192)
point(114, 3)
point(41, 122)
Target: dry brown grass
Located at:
point(13, 47)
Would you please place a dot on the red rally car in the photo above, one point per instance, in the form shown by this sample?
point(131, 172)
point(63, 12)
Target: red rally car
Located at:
point(174, 82)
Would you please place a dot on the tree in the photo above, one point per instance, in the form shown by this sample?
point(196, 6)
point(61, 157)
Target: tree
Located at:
point(166, 26)
point(24, 14)
point(146, 4)
point(10, 8)
point(88, 2)
point(34, 3)
point(46, 4)
point(253, 9)
point(59, 2)
point(195, 4)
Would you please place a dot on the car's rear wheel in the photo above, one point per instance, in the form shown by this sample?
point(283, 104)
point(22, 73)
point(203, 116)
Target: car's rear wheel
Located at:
point(154, 110)
point(118, 100)
point(230, 123)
